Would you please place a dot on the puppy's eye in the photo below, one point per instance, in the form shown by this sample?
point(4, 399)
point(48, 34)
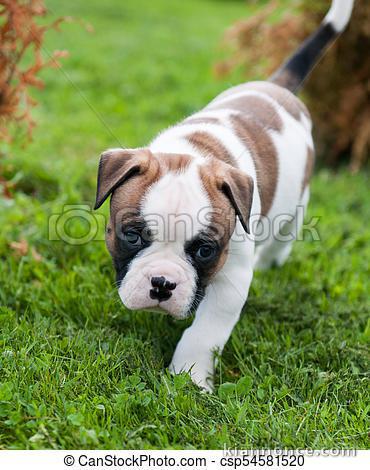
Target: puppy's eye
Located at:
point(205, 252)
point(132, 237)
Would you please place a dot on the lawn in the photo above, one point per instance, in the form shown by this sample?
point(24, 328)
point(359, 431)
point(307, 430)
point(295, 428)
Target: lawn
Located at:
point(77, 370)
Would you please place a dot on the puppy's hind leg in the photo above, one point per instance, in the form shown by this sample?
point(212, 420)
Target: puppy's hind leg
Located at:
point(277, 250)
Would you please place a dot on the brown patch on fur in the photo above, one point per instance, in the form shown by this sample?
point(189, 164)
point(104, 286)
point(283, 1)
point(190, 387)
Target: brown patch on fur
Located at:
point(263, 152)
point(220, 262)
point(117, 166)
point(173, 161)
point(209, 145)
point(256, 107)
point(282, 96)
point(310, 162)
point(201, 120)
point(223, 217)
point(219, 180)
point(126, 199)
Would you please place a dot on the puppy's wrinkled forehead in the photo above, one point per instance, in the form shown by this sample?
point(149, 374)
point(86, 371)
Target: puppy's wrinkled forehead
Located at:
point(174, 207)
point(169, 197)
point(176, 195)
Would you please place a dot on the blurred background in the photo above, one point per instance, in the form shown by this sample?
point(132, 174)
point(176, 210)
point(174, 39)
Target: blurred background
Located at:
point(135, 49)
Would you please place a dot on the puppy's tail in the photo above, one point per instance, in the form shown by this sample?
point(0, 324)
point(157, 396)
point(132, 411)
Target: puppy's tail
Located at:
point(294, 71)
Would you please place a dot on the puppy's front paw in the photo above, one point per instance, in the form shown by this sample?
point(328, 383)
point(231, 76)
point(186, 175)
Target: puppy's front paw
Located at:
point(200, 374)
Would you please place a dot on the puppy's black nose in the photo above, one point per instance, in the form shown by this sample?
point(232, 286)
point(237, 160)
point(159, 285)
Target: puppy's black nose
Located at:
point(162, 283)
point(161, 288)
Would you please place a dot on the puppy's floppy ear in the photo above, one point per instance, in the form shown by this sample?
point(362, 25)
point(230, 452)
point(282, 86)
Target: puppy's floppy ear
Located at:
point(115, 167)
point(238, 188)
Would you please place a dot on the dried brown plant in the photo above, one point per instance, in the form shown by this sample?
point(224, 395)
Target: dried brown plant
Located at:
point(21, 60)
point(338, 91)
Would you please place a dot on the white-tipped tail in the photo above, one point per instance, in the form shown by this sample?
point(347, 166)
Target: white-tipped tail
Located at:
point(339, 14)
point(296, 69)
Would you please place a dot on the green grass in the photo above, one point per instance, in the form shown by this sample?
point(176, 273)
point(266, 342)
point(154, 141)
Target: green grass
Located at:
point(77, 369)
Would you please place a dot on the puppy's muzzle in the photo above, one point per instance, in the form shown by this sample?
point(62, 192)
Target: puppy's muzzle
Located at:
point(159, 284)
point(162, 288)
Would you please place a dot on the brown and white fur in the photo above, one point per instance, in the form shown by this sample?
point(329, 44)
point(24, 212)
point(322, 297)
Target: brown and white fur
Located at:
point(186, 209)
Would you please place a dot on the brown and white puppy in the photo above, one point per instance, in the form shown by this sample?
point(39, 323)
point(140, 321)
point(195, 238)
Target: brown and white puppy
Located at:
point(188, 210)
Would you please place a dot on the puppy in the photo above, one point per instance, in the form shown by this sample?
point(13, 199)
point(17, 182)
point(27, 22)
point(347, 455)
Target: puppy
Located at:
point(187, 211)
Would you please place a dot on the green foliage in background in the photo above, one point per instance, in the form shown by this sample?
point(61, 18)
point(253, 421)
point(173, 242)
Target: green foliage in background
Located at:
point(79, 371)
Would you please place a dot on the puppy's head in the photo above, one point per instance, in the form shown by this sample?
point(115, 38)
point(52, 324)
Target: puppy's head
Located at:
point(171, 219)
